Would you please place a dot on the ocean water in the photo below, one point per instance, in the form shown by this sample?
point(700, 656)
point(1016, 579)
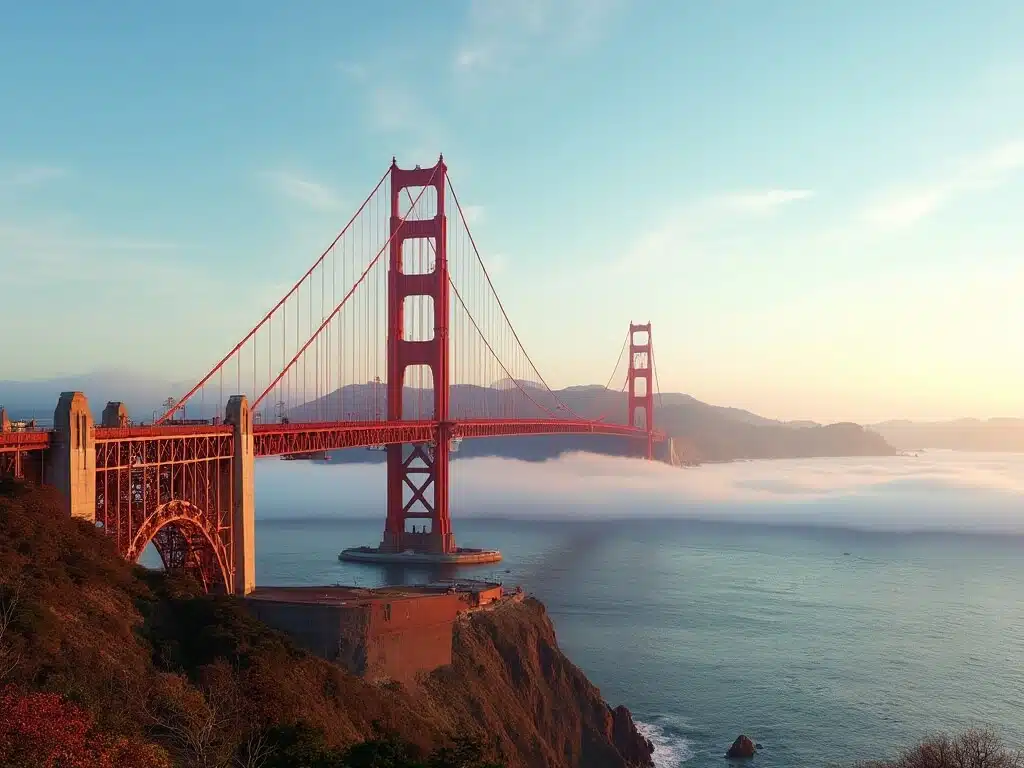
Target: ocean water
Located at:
point(831, 609)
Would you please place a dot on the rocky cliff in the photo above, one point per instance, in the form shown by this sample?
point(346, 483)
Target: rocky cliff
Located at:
point(155, 662)
point(509, 674)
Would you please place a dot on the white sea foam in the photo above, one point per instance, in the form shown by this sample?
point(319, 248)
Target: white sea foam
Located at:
point(669, 751)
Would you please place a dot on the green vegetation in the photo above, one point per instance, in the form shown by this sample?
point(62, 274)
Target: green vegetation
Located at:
point(106, 664)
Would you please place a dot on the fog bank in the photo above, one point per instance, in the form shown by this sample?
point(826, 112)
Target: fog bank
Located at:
point(936, 491)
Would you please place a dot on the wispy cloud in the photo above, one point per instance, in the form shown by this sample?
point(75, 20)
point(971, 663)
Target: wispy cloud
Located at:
point(763, 201)
point(392, 107)
point(724, 211)
point(903, 207)
point(312, 194)
point(689, 226)
point(495, 263)
point(418, 132)
point(353, 70)
point(79, 271)
point(498, 32)
point(32, 176)
point(471, 58)
point(474, 214)
point(45, 254)
point(588, 21)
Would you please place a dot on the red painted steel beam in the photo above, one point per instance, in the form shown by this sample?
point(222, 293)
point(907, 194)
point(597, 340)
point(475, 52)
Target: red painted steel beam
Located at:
point(281, 439)
point(104, 434)
point(24, 441)
point(513, 427)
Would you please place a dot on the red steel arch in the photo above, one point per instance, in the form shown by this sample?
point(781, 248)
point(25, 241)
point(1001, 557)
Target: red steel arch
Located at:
point(184, 538)
point(172, 486)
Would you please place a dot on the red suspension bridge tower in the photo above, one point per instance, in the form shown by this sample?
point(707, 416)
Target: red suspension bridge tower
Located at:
point(639, 377)
point(417, 485)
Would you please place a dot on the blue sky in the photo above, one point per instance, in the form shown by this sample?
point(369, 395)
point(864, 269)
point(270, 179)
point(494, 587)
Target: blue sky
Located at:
point(817, 204)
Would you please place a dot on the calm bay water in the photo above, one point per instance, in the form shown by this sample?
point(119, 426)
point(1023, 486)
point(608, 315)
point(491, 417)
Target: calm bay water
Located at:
point(830, 609)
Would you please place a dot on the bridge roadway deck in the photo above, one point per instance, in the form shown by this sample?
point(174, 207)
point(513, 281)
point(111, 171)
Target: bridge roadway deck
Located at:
point(283, 439)
point(11, 442)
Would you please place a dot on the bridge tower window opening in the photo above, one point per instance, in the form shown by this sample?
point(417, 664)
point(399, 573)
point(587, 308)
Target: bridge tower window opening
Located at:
point(419, 202)
point(418, 316)
point(418, 256)
point(418, 393)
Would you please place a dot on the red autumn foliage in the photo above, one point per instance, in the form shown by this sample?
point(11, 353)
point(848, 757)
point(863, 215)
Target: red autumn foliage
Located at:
point(44, 730)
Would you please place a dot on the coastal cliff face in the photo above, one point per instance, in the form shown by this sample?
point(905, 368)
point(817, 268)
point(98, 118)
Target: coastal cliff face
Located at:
point(509, 674)
point(153, 661)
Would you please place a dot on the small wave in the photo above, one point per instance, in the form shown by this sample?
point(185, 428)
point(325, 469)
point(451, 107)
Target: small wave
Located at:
point(669, 751)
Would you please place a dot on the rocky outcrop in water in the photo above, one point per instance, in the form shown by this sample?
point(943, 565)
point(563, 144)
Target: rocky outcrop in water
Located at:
point(743, 747)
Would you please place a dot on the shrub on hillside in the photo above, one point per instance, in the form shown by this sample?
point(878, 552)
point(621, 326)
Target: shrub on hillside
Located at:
point(44, 730)
point(974, 748)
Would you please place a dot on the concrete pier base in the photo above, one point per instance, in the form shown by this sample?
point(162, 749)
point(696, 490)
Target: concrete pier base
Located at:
point(71, 461)
point(419, 541)
point(243, 469)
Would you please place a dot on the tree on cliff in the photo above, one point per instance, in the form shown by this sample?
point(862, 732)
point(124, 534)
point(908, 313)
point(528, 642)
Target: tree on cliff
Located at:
point(45, 730)
point(10, 596)
point(974, 748)
point(300, 746)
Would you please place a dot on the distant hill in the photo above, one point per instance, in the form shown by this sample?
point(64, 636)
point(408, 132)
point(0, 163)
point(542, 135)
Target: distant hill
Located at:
point(1004, 434)
point(703, 432)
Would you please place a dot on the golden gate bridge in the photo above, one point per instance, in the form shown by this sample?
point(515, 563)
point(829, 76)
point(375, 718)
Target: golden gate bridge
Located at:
point(394, 337)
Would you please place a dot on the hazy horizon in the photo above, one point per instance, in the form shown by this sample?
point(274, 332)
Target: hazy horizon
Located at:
point(162, 394)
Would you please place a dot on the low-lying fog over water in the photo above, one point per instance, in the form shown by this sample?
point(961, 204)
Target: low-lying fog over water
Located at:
point(934, 491)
